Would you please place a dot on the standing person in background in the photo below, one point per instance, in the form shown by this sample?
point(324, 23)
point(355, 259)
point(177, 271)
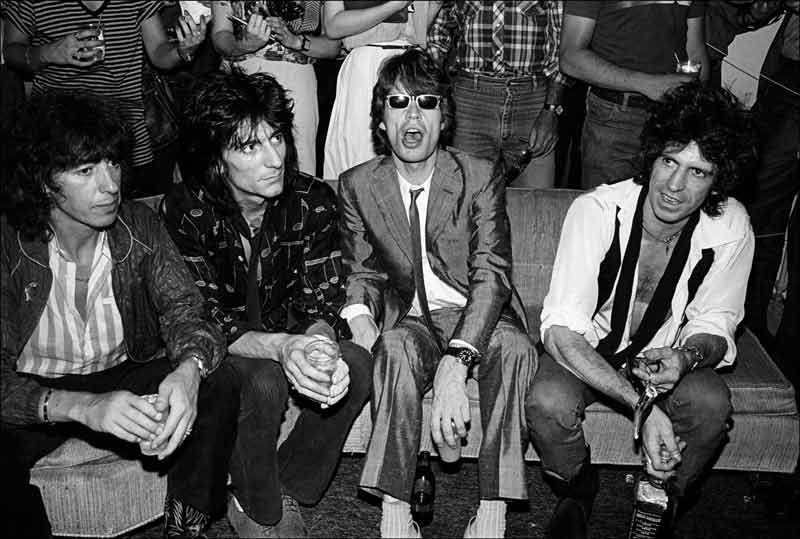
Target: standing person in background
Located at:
point(507, 86)
point(49, 40)
point(627, 52)
point(284, 45)
point(371, 31)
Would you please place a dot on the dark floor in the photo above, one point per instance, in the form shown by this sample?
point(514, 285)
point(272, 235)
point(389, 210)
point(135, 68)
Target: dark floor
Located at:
point(732, 505)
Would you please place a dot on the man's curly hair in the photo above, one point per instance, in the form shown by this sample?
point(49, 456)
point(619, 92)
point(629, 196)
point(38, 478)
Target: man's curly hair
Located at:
point(417, 72)
point(712, 118)
point(50, 134)
point(224, 111)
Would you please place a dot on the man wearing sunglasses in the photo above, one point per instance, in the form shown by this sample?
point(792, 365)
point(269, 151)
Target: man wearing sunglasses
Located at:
point(425, 240)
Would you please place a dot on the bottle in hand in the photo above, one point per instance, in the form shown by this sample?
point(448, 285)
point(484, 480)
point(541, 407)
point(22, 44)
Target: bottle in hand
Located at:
point(424, 489)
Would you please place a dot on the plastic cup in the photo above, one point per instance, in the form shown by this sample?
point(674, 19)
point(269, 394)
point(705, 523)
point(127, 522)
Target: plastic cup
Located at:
point(145, 447)
point(96, 33)
point(323, 354)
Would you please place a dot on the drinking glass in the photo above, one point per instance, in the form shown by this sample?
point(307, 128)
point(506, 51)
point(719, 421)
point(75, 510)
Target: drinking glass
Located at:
point(145, 446)
point(93, 31)
point(323, 354)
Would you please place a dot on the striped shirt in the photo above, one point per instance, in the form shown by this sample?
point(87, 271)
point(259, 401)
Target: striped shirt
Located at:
point(531, 33)
point(118, 76)
point(63, 342)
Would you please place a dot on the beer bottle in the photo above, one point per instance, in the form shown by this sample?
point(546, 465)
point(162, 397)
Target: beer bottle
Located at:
point(424, 489)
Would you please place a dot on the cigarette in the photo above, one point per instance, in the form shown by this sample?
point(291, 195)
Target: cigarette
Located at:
point(237, 19)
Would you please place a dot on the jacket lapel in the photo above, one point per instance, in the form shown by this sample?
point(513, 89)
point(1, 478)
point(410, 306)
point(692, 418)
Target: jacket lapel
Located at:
point(386, 191)
point(446, 188)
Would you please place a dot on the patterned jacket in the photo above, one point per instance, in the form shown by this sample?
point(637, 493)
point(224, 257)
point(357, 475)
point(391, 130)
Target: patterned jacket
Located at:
point(301, 272)
point(159, 305)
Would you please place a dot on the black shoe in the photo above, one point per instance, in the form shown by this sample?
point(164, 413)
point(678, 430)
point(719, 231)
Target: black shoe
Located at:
point(575, 499)
point(183, 521)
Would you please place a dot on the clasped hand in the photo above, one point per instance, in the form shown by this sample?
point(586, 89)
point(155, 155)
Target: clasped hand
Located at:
point(662, 368)
point(307, 379)
point(662, 448)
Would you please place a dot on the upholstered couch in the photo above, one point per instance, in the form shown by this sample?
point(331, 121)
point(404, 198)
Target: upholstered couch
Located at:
point(90, 492)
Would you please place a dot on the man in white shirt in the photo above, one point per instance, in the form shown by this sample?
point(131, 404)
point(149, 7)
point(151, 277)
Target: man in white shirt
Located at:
point(426, 245)
point(664, 261)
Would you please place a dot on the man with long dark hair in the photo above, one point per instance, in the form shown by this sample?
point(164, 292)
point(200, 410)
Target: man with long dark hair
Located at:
point(97, 309)
point(425, 237)
point(650, 272)
point(261, 240)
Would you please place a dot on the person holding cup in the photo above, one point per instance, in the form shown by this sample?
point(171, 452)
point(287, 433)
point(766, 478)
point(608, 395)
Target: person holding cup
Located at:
point(261, 239)
point(100, 47)
point(98, 309)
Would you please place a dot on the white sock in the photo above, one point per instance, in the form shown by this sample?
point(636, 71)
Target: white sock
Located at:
point(490, 521)
point(395, 517)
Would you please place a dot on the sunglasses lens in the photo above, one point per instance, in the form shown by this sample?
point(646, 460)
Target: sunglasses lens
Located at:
point(427, 101)
point(399, 101)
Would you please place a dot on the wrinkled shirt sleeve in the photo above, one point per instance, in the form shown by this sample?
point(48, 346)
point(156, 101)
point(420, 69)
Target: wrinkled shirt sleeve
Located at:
point(572, 297)
point(718, 305)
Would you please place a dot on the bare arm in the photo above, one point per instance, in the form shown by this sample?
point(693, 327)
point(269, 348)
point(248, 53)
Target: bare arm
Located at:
point(572, 351)
point(259, 345)
point(66, 50)
point(163, 53)
point(577, 60)
point(340, 22)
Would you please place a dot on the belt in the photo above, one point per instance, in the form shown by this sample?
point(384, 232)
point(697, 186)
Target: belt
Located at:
point(481, 77)
point(629, 99)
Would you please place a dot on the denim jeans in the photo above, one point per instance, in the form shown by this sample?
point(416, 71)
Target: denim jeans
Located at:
point(196, 472)
point(699, 408)
point(610, 141)
point(494, 119)
point(304, 464)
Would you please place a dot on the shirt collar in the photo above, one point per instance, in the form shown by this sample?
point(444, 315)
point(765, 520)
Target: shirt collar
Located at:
point(710, 231)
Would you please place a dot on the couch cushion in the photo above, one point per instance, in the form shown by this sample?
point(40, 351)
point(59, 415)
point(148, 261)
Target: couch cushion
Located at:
point(536, 217)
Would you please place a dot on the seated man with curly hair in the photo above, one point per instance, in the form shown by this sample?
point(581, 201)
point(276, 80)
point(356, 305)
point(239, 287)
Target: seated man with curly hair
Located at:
point(97, 309)
point(652, 270)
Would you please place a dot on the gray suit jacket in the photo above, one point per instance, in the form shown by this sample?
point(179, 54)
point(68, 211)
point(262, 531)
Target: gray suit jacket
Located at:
point(468, 239)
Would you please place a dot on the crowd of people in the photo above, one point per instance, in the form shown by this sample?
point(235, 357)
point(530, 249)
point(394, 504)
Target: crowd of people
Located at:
point(183, 333)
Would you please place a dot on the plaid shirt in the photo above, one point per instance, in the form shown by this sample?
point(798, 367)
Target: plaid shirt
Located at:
point(531, 35)
point(301, 272)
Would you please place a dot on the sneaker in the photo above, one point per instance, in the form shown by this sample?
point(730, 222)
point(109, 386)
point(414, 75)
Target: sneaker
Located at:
point(472, 530)
point(412, 532)
point(181, 520)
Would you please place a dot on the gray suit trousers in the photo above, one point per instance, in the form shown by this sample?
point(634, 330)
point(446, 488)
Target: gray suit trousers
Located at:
point(405, 362)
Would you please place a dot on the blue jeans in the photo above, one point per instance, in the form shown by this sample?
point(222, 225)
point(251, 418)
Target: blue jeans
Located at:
point(304, 464)
point(494, 119)
point(699, 408)
point(610, 141)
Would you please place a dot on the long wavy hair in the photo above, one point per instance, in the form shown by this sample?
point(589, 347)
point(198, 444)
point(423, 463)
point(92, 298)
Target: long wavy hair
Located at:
point(219, 106)
point(50, 134)
point(713, 118)
point(416, 71)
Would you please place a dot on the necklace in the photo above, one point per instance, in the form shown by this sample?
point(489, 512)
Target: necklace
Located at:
point(666, 241)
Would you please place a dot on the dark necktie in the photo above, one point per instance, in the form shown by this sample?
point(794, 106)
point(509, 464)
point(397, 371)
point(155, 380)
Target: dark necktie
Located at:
point(416, 258)
point(253, 302)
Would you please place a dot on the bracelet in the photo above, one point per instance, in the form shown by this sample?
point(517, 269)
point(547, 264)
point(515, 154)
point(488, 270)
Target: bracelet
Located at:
point(45, 403)
point(698, 355)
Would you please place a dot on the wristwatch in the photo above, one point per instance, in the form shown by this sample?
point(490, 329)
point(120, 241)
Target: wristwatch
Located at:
point(305, 45)
point(557, 109)
point(465, 356)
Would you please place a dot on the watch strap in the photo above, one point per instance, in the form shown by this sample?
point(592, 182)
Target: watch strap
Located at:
point(465, 356)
